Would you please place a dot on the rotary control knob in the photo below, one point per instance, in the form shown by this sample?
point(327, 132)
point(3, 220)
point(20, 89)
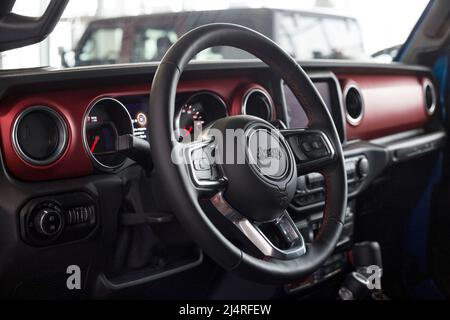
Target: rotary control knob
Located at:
point(48, 221)
point(363, 168)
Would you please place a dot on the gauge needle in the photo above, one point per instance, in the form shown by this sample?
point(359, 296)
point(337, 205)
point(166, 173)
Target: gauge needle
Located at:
point(94, 144)
point(188, 131)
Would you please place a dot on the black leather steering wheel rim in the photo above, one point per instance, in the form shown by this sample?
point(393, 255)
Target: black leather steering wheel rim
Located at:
point(176, 182)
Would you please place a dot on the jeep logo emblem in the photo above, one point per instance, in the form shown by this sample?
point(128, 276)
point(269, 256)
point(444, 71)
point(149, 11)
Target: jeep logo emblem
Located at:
point(268, 153)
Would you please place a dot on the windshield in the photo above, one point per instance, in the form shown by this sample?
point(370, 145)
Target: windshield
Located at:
point(99, 32)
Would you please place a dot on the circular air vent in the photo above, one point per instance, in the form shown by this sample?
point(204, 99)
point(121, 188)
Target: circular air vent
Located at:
point(39, 135)
point(257, 103)
point(429, 95)
point(354, 105)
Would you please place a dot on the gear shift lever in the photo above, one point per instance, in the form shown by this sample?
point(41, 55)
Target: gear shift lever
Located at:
point(368, 262)
point(366, 280)
point(367, 254)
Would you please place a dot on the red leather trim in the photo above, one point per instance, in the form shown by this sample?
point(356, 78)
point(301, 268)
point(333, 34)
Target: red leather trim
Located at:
point(72, 105)
point(393, 104)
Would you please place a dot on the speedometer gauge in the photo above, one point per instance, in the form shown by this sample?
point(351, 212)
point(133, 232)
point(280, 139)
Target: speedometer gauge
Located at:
point(199, 110)
point(106, 120)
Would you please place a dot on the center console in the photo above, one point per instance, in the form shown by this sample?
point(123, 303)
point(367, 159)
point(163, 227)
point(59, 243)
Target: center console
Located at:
point(362, 163)
point(309, 225)
point(310, 195)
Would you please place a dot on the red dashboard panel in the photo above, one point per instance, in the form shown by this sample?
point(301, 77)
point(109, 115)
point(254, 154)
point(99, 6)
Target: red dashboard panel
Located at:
point(72, 105)
point(392, 104)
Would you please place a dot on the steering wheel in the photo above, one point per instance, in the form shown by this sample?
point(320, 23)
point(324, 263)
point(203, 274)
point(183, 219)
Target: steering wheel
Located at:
point(250, 197)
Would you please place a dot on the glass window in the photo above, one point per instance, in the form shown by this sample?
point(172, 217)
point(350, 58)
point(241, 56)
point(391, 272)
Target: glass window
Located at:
point(343, 37)
point(319, 37)
point(102, 46)
point(151, 44)
point(93, 32)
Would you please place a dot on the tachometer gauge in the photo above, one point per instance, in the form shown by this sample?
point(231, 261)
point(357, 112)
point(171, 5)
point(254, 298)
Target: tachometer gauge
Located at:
point(105, 121)
point(200, 110)
point(191, 116)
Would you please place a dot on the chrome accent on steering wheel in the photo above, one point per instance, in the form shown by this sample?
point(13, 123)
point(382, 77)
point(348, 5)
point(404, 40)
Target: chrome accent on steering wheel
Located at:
point(284, 223)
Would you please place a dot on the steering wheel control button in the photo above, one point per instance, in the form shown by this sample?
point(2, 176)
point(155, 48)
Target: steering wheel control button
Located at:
point(309, 147)
point(201, 164)
point(204, 171)
point(314, 146)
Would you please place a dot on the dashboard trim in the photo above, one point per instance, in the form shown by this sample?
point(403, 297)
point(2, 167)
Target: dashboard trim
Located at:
point(71, 91)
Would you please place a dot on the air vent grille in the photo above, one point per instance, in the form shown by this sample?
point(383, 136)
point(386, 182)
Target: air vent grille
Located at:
point(257, 103)
point(354, 105)
point(39, 135)
point(429, 96)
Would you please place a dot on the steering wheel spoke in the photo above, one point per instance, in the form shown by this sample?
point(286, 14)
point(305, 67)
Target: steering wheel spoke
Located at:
point(206, 175)
point(312, 149)
point(283, 231)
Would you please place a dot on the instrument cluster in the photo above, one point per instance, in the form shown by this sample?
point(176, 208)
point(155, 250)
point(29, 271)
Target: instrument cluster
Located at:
point(110, 118)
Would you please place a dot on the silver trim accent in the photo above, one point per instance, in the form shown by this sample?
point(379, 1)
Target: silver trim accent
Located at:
point(41, 223)
point(247, 95)
point(428, 84)
point(62, 131)
point(353, 121)
point(97, 163)
point(256, 236)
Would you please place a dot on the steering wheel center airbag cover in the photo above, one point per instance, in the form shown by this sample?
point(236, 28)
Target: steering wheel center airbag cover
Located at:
point(259, 167)
point(267, 155)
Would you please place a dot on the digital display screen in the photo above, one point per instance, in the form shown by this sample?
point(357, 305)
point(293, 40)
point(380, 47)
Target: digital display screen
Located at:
point(137, 107)
point(297, 117)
